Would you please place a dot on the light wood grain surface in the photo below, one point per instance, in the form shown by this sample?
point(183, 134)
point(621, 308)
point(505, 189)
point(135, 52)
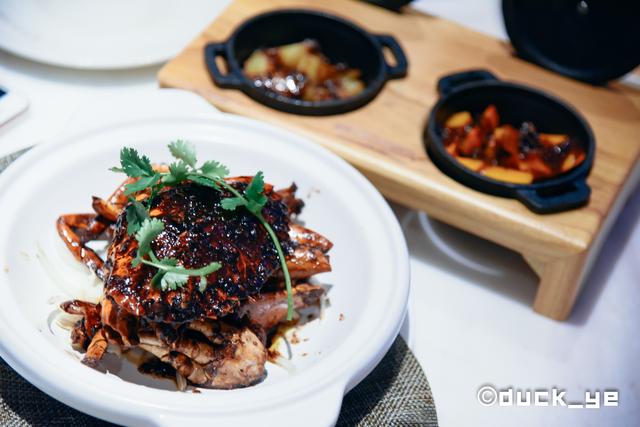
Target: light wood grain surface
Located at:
point(384, 138)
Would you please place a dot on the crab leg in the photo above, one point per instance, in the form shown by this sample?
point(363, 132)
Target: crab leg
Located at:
point(304, 236)
point(309, 253)
point(270, 309)
point(113, 205)
point(76, 230)
point(90, 313)
point(96, 349)
point(305, 261)
point(122, 325)
point(105, 209)
point(85, 328)
point(289, 198)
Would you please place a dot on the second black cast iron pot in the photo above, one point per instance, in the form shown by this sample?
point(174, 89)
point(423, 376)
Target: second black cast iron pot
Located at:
point(473, 91)
point(339, 39)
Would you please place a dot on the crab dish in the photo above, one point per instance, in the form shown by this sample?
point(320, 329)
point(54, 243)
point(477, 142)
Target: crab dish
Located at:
point(200, 269)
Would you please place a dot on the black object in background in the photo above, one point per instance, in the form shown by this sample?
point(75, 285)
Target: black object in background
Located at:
point(590, 40)
point(473, 91)
point(395, 5)
point(340, 40)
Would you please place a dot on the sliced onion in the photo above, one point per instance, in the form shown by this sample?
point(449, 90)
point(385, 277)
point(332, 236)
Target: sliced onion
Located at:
point(285, 364)
point(67, 321)
point(323, 306)
point(181, 381)
point(74, 280)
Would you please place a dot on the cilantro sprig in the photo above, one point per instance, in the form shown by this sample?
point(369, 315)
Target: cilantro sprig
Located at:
point(170, 275)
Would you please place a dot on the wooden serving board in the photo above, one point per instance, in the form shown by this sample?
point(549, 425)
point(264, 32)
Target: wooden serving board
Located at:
point(384, 138)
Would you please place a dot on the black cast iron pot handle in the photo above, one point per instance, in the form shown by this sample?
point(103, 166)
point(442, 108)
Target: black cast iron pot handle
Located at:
point(538, 202)
point(229, 80)
point(400, 69)
point(451, 82)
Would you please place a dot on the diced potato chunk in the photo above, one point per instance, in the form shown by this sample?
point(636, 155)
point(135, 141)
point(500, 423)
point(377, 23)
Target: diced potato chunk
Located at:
point(292, 54)
point(350, 87)
point(257, 64)
point(300, 70)
point(569, 162)
point(572, 160)
point(352, 73)
point(508, 175)
point(473, 164)
point(553, 138)
point(458, 120)
point(315, 93)
point(314, 67)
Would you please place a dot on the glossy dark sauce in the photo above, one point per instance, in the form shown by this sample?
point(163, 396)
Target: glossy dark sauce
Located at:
point(197, 231)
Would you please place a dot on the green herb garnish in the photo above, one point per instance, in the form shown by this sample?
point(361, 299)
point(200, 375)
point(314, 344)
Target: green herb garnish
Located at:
point(170, 275)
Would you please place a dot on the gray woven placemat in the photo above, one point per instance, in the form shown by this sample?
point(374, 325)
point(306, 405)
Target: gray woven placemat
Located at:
point(396, 393)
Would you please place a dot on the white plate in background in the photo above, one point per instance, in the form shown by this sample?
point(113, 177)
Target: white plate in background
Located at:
point(113, 34)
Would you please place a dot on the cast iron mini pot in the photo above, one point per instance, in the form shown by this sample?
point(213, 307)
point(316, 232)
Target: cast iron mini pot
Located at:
point(339, 39)
point(473, 91)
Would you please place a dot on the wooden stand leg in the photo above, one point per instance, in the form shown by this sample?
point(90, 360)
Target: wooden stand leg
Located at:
point(560, 281)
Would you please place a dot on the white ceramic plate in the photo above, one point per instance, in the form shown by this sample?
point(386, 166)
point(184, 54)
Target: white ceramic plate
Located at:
point(95, 34)
point(370, 277)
